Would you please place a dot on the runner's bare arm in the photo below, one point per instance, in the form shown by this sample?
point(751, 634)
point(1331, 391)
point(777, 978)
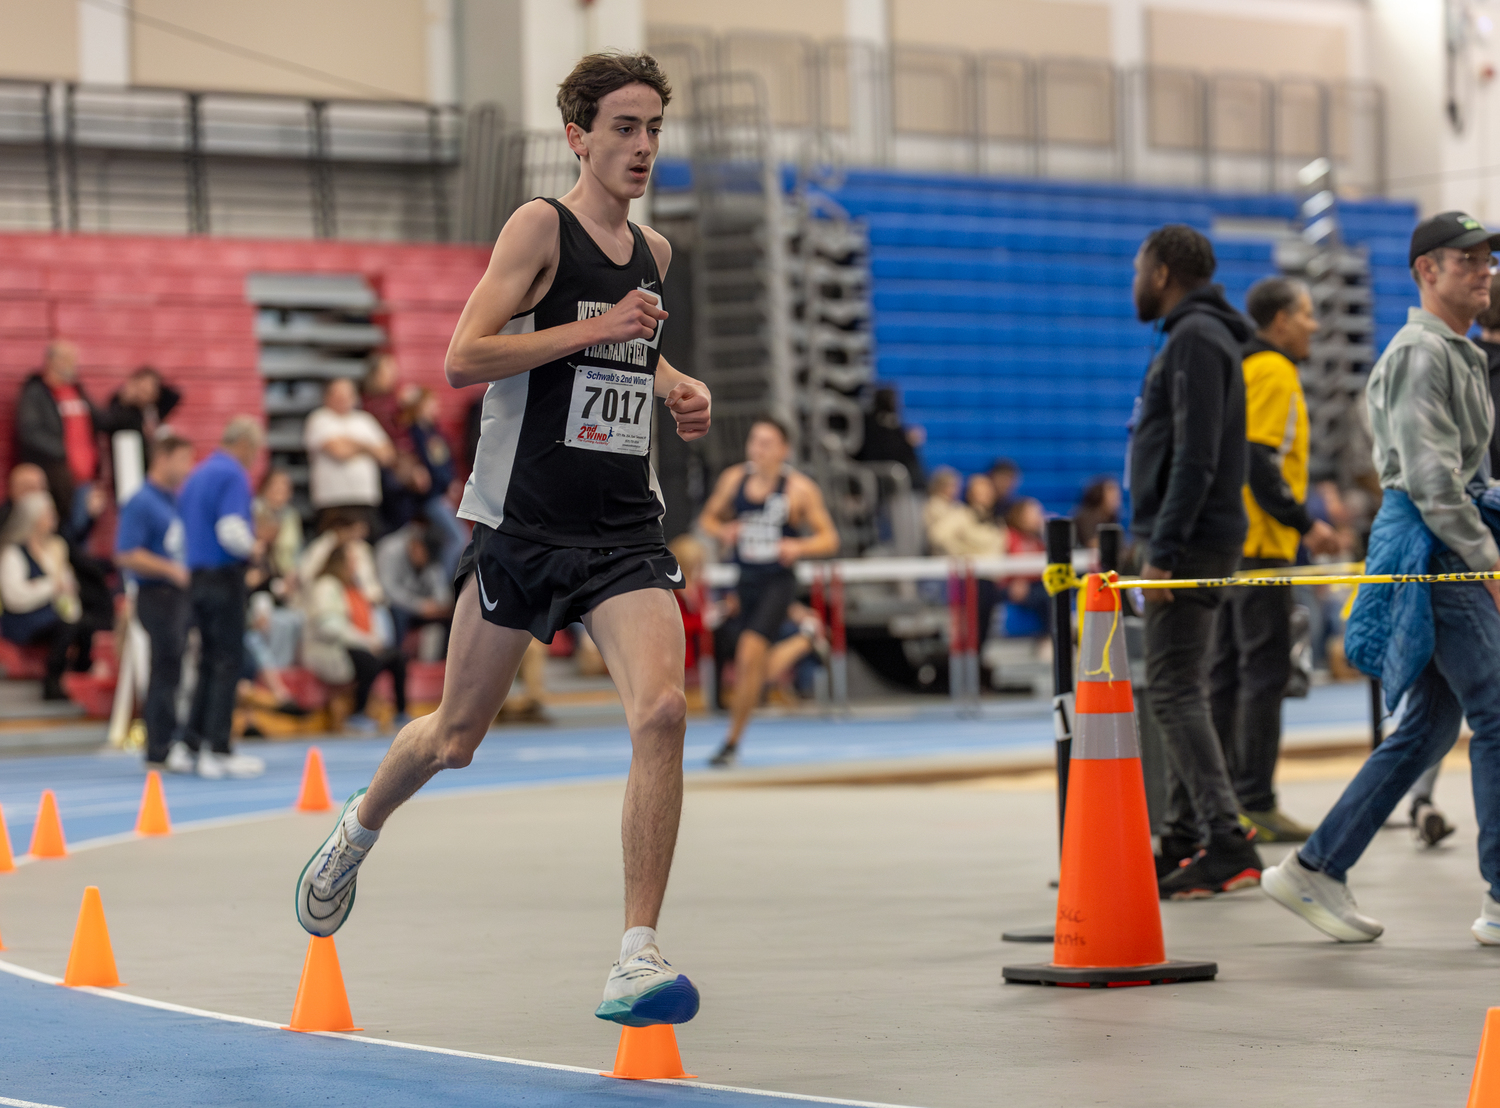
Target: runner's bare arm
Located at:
point(808, 510)
point(688, 400)
point(517, 278)
point(716, 517)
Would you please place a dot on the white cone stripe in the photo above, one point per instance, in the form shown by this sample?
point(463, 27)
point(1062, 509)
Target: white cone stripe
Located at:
point(1099, 735)
point(1091, 667)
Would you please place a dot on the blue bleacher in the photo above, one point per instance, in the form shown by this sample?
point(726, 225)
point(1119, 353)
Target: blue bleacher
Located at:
point(1003, 308)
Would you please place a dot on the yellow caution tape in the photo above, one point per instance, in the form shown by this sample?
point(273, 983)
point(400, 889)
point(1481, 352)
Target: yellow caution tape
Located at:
point(1060, 577)
point(1306, 579)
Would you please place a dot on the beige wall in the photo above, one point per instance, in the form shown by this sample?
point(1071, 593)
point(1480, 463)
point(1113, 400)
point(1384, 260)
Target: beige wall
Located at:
point(818, 18)
point(379, 43)
point(1200, 40)
point(40, 39)
point(1050, 27)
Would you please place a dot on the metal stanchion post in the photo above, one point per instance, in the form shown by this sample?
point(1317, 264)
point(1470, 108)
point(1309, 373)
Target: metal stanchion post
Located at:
point(825, 676)
point(838, 645)
point(955, 637)
point(1059, 552)
point(971, 635)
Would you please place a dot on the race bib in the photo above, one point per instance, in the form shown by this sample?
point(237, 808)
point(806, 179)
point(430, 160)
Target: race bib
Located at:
point(610, 409)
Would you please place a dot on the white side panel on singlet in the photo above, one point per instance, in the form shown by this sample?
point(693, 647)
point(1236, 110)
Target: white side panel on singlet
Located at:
point(499, 435)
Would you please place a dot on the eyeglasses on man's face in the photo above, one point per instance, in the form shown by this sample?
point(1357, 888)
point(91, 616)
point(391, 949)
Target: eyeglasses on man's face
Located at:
point(1474, 263)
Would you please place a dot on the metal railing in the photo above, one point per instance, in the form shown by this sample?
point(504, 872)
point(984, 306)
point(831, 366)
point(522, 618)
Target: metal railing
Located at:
point(938, 108)
point(166, 161)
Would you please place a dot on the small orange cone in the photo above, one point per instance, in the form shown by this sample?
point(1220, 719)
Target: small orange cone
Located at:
point(47, 834)
point(322, 1004)
point(92, 960)
point(1484, 1091)
point(153, 818)
point(647, 1053)
point(314, 796)
point(1108, 929)
point(7, 863)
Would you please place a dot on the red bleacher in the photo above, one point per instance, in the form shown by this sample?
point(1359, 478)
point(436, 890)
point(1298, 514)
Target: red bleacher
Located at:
point(179, 304)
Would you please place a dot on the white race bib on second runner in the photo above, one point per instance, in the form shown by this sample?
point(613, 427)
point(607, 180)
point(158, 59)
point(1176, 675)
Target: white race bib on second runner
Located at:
point(610, 409)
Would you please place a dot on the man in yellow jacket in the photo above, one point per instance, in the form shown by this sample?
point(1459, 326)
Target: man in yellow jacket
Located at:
point(1252, 649)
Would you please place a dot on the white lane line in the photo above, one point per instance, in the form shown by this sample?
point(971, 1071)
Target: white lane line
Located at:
point(166, 1006)
point(24, 1103)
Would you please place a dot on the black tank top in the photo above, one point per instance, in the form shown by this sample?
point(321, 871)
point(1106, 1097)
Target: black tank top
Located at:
point(564, 449)
point(762, 525)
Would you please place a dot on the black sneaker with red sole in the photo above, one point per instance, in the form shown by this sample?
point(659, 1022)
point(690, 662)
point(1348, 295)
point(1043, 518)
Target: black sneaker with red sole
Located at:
point(1175, 850)
point(1229, 862)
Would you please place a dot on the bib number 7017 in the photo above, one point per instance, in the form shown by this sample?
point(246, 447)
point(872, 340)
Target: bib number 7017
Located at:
point(610, 409)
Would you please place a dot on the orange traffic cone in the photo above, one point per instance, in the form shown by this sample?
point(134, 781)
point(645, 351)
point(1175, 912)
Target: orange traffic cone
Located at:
point(314, 796)
point(322, 1004)
point(1108, 911)
point(92, 960)
point(153, 818)
point(47, 834)
point(7, 862)
point(1484, 1091)
point(646, 1053)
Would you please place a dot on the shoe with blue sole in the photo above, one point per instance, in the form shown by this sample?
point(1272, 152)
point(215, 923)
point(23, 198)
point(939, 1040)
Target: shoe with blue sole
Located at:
point(644, 989)
point(325, 889)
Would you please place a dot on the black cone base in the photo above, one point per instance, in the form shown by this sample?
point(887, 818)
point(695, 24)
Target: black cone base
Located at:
point(1100, 977)
point(1042, 934)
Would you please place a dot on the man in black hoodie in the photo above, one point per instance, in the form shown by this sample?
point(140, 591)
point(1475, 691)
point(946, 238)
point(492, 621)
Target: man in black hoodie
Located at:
point(1187, 467)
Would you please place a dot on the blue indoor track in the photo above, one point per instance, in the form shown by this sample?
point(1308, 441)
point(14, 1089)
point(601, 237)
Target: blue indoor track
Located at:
point(65, 1048)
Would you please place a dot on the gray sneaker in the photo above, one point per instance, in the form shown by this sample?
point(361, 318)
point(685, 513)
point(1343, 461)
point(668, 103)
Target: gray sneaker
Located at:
point(1323, 902)
point(325, 890)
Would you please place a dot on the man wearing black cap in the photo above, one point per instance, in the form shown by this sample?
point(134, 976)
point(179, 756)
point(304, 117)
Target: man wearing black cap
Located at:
point(1431, 416)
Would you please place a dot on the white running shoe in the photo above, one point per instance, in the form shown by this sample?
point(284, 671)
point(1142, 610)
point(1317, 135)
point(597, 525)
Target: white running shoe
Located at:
point(1323, 902)
point(180, 759)
point(215, 767)
point(644, 989)
point(325, 888)
point(1487, 927)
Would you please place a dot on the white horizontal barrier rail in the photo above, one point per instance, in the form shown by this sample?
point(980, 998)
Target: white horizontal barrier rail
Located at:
point(723, 575)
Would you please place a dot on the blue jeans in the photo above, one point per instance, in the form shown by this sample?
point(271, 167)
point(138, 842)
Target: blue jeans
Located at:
point(448, 531)
point(1462, 679)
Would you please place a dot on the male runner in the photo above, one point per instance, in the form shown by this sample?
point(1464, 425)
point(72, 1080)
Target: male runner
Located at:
point(564, 328)
point(760, 508)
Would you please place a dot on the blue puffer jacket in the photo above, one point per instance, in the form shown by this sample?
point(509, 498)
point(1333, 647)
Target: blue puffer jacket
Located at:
point(1390, 632)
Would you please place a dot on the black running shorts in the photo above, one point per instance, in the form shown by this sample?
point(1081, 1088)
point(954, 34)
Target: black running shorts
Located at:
point(765, 593)
point(534, 587)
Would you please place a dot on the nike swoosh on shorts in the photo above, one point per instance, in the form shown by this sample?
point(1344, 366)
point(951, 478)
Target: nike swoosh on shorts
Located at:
point(675, 576)
point(489, 605)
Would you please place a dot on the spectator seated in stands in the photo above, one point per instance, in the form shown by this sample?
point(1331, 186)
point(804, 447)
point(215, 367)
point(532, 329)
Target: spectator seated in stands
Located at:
point(39, 593)
point(887, 439)
point(952, 526)
point(24, 478)
point(140, 405)
point(343, 641)
point(351, 530)
point(279, 525)
point(433, 468)
point(417, 587)
point(269, 649)
point(1025, 528)
point(1100, 503)
point(347, 448)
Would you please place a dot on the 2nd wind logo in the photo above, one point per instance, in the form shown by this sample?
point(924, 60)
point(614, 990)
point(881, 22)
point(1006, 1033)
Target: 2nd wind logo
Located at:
point(590, 432)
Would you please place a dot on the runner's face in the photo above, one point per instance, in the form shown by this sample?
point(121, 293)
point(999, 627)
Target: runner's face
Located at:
point(621, 148)
point(765, 449)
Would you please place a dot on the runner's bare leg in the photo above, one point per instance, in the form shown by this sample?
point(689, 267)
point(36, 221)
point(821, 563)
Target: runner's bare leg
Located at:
point(750, 665)
point(640, 636)
point(482, 662)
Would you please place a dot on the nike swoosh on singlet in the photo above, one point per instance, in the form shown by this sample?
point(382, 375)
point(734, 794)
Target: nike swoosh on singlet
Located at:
point(489, 605)
point(675, 576)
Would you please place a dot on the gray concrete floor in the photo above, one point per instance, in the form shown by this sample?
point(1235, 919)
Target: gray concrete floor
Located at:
point(845, 940)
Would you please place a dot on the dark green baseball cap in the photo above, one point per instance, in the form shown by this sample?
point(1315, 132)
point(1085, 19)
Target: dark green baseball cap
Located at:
point(1456, 229)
